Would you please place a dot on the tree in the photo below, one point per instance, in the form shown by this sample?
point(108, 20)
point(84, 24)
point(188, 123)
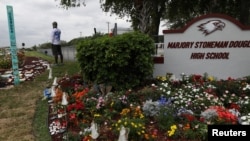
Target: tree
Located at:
point(179, 12)
point(245, 12)
point(71, 3)
point(145, 15)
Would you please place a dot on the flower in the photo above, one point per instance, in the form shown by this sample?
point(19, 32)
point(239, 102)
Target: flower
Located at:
point(76, 108)
point(136, 126)
point(172, 130)
point(219, 114)
point(151, 108)
point(245, 120)
point(173, 109)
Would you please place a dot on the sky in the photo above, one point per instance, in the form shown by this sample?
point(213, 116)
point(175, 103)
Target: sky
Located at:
point(33, 21)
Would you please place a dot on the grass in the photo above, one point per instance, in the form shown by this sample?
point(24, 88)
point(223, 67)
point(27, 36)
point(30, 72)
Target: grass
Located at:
point(23, 113)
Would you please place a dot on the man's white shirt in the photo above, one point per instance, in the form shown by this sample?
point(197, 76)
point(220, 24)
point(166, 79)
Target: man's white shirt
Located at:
point(56, 36)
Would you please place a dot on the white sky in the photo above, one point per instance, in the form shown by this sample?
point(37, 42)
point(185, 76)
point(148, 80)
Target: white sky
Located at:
point(33, 21)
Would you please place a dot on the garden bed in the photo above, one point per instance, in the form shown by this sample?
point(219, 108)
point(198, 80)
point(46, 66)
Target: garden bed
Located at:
point(164, 111)
point(30, 68)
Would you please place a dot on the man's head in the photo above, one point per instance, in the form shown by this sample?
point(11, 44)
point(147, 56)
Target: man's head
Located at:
point(54, 24)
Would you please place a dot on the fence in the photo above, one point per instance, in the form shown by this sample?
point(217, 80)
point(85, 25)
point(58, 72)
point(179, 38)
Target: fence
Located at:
point(69, 53)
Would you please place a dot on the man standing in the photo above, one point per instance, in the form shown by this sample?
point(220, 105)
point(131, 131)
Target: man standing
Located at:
point(56, 43)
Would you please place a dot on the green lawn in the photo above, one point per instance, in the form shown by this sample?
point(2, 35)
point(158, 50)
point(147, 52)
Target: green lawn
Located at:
point(23, 113)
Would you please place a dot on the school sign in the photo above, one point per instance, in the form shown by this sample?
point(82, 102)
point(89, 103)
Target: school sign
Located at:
point(215, 44)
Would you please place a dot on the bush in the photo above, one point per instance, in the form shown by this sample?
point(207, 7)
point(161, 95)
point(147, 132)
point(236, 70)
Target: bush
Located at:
point(122, 61)
point(6, 61)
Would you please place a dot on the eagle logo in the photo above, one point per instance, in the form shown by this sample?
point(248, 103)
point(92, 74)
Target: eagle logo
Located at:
point(211, 26)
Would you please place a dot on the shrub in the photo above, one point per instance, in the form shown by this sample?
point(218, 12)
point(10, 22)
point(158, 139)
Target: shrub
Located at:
point(122, 61)
point(6, 61)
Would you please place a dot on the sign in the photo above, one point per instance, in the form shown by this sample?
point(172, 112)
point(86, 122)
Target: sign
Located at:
point(13, 48)
point(215, 44)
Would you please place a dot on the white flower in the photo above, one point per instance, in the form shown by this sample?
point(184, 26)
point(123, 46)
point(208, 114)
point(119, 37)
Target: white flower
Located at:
point(165, 84)
point(151, 108)
point(244, 123)
point(245, 120)
point(195, 90)
point(168, 92)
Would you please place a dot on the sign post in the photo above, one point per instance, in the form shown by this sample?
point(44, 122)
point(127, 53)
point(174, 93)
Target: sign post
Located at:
point(13, 47)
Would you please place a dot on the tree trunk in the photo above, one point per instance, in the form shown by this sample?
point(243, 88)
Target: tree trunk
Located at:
point(158, 10)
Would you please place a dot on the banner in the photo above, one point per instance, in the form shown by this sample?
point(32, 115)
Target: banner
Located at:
point(13, 48)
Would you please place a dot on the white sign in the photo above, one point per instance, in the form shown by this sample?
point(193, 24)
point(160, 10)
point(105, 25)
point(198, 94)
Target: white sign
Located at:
point(215, 44)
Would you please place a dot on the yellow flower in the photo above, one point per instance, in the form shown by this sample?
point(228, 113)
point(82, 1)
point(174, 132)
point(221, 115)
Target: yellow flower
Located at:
point(125, 111)
point(97, 115)
point(170, 133)
point(173, 127)
point(210, 78)
point(172, 130)
point(141, 116)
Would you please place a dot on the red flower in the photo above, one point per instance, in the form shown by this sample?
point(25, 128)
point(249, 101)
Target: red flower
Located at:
point(225, 115)
point(87, 138)
point(78, 106)
point(72, 116)
point(189, 117)
point(234, 106)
